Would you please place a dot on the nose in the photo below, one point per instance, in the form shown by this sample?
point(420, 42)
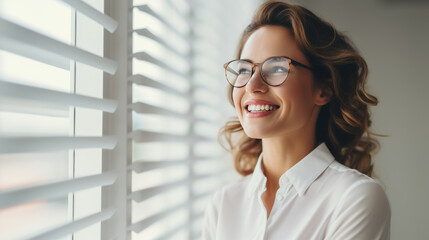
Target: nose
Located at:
point(256, 84)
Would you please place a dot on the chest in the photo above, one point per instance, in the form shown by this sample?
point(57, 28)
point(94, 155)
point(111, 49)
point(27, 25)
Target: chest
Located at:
point(275, 216)
point(268, 199)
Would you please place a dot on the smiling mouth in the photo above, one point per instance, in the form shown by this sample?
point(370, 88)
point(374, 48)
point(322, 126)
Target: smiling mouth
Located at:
point(261, 108)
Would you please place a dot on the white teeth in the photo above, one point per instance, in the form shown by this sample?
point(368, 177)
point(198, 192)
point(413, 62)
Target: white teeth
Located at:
point(260, 108)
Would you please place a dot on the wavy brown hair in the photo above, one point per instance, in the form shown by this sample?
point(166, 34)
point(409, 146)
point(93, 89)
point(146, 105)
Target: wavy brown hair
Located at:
point(343, 124)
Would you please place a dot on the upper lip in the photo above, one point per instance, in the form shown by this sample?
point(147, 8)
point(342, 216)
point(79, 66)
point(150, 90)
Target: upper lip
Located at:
point(258, 102)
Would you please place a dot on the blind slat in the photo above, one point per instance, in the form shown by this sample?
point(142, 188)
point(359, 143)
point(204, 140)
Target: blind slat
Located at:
point(205, 194)
point(35, 53)
point(75, 225)
point(197, 216)
point(143, 194)
point(176, 158)
point(149, 82)
point(148, 34)
point(143, 166)
point(146, 193)
point(202, 78)
point(107, 22)
point(178, 19)
point(147, 136)
point(54, 97)
point(14, 38)
point(146, 9)
point(140, 107)
point(52, 190)
point(207, 105)
point(170, 233)
point(145, 223)
point(207, 113)
point(216, 173)
point(42, 144)
point(144, 56)
point(26, 107)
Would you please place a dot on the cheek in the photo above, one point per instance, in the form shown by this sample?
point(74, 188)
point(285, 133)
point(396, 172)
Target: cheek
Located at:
point(236, 97)
point(301, 92)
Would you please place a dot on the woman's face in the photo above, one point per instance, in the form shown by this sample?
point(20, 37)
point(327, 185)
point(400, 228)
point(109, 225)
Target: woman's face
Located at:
point(295, 101)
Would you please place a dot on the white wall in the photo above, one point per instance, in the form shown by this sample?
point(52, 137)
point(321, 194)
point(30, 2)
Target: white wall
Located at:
point(394, 38)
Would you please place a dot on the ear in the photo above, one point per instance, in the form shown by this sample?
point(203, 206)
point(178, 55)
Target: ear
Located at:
point(323, 96)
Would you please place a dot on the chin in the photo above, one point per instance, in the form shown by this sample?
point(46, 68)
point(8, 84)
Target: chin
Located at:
point(256, 133)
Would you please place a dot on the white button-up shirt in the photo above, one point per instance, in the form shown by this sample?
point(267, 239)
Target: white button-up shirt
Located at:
point(318, 198)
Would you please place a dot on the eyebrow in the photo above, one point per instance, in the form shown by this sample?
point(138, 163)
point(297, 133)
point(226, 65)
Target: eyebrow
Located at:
point(275, 58)
point(246, 60)
point(272, 57)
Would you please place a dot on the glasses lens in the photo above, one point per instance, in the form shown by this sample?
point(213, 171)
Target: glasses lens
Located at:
point(275, 70)
point(238, 73)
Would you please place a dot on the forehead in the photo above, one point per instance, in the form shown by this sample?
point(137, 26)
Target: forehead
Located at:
point(269, 41)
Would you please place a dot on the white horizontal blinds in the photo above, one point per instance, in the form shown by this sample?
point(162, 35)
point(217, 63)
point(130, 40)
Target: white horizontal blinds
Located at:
point(76, 225)
point(89, 81)
point(161, 121)
point(19, 118)
point(28, 43)
point(86, 9)
point(42, 144)
point(50, 190)
point(36, 94)
point(50, 104)
point(177, 162)
point(212, 168)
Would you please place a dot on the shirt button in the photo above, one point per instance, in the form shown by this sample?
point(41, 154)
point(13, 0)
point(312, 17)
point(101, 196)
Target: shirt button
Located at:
point(279, 197)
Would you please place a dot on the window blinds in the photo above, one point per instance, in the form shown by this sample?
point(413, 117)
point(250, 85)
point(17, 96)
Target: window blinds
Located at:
point(151, 143)
point(35, 104)
point(177, 162)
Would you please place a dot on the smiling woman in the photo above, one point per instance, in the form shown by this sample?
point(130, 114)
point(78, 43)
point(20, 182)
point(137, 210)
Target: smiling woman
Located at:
point(298, 87)
point(294, 100)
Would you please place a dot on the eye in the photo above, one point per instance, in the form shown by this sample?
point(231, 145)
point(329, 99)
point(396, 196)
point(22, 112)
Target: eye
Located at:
point(243, 71)
point(278, 69)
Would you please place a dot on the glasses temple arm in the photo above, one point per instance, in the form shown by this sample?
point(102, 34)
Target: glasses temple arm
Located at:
point(300, 64)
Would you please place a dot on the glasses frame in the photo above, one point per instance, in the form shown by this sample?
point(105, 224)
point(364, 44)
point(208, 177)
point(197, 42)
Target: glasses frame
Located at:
point(254, 65)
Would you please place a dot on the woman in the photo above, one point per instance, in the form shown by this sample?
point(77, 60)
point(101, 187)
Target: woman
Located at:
point(305, 144)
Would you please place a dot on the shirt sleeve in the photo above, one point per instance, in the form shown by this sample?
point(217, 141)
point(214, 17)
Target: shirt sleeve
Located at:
point(363, 213)
point(211, 218)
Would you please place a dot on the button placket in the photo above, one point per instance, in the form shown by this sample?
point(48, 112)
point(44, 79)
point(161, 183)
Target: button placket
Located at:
point(261, 189)
point(284, 187)
point(280, 196)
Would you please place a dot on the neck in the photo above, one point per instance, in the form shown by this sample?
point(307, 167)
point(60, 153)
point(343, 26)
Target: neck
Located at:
point(281, 154)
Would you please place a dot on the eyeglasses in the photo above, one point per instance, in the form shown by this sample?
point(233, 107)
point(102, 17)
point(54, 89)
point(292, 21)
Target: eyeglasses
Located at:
point(273, 71)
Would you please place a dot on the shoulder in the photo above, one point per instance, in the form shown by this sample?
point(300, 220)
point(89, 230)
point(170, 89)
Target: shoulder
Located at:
point(231, 191)
point(366, 196)
point(342, 186)
point(348, 181)
point(222, 201)
point(227, 197)
point(362, 207)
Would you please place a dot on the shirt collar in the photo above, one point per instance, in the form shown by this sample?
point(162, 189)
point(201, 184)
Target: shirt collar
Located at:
point(258, 179)
point(301, 175)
